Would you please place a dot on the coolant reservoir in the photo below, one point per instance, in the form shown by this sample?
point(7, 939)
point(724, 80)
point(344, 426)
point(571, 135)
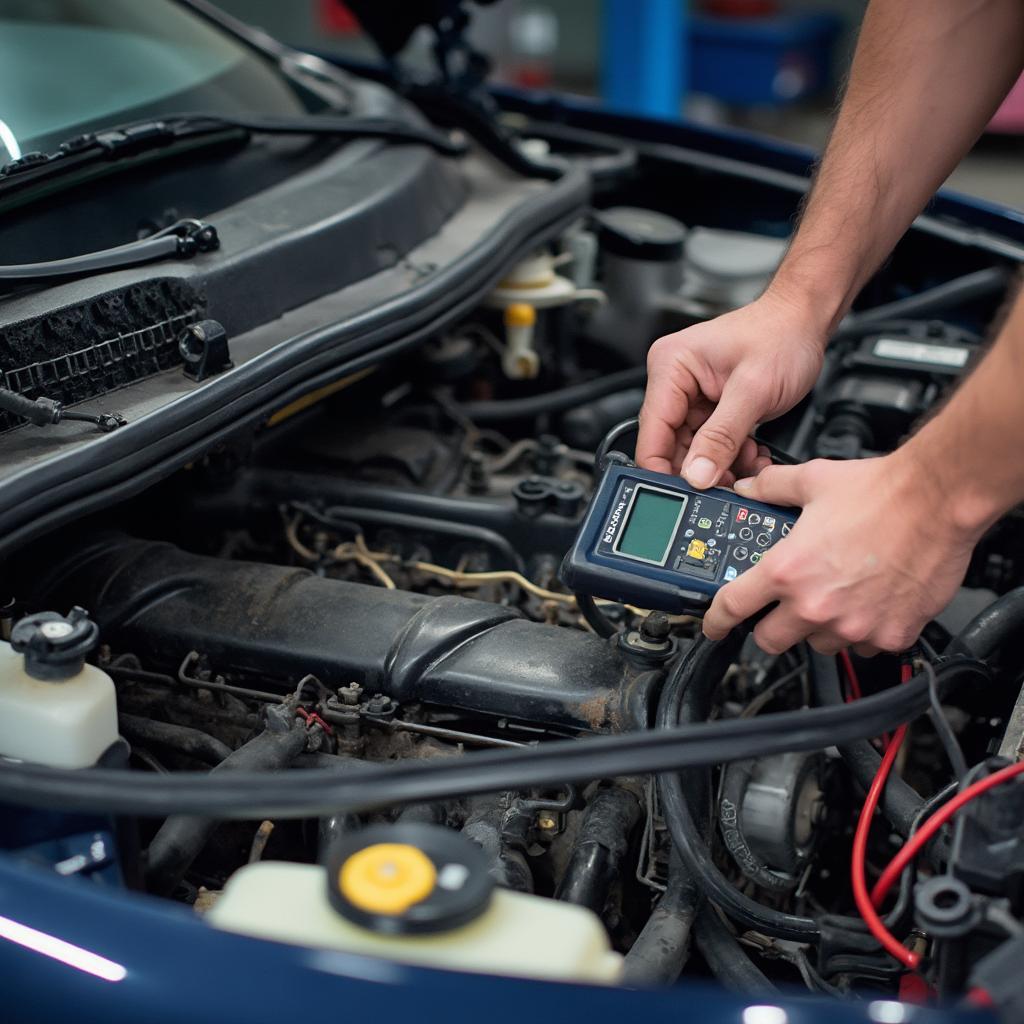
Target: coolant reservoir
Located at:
point(54, 708)
point(418, 894)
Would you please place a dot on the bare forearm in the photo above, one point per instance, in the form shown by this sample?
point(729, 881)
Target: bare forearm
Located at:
point(926, 78)
point(973, 449)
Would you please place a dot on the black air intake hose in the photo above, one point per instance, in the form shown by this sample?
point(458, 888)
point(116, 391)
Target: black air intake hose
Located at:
point(277, 624)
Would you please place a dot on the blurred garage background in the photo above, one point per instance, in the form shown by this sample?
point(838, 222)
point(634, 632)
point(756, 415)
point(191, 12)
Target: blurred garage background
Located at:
point(770, 66)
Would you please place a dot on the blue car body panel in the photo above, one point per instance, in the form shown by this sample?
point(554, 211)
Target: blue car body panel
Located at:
point(73, 951)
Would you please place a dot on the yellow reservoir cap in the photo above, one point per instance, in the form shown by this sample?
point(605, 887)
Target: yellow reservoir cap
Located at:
point(520, 314)
point(387, 878)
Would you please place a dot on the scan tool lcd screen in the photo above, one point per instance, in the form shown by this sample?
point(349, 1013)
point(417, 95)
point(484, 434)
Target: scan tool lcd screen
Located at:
point(651, 522)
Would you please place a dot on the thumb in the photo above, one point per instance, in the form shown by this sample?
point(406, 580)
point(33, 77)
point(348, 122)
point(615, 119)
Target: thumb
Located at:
point(717, 443)
point(778, 485)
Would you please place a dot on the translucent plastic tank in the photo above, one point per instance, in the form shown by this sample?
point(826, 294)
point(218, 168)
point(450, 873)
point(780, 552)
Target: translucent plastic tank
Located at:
point(518, 934)
point(54, 708)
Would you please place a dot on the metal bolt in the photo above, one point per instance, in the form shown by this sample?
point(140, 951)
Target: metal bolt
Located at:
point(477, 474)
point(350, 694)
point(378, 704)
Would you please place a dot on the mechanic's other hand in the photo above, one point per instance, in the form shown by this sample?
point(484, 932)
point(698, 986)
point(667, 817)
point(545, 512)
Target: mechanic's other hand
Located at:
point(709, 385)
point(871, 559)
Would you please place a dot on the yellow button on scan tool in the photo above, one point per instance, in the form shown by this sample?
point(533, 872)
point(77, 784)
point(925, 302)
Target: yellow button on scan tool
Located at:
point(696, 549)
point(387, 878)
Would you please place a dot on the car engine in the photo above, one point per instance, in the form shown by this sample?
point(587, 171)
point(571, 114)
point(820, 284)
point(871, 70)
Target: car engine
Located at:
point(371, 579)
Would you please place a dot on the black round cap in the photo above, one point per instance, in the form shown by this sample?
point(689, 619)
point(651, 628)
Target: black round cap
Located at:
point(55, 647)
point(641, 234)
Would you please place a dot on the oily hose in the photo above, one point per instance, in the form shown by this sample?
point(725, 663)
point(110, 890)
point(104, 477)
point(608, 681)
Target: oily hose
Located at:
point(249, 794)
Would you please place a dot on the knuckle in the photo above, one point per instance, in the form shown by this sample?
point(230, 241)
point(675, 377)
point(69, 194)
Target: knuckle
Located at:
point(730, 603)
point(825, 644)
point(779, 569)
point(852, 631)
point(894, 638)
point(718, 438)
point(768, 643)
point(813, 609)
point(661, 349)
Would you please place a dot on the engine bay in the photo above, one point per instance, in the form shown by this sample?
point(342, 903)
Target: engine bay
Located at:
point(373, 577)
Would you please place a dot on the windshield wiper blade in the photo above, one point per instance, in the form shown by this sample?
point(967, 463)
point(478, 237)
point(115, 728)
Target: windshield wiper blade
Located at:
point(180, 240)
point(139, 137)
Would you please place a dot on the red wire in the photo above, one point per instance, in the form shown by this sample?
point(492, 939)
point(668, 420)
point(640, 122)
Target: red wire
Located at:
point(875, 924)
point(858, 863)
point(915, 843)
point(851, 676)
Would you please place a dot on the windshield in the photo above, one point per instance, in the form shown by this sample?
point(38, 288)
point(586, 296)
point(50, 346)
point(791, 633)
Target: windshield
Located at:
point(68, 66)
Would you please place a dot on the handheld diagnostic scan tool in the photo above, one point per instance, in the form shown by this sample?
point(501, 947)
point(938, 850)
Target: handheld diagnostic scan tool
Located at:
point(649, 539)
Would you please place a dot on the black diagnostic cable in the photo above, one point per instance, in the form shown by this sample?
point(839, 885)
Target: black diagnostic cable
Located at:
point(594, 617)
point(248, 795)
point(619, 431)
point(630, 426)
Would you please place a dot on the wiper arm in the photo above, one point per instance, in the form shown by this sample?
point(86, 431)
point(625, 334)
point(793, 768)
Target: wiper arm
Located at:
point(129, 140)
point(181, 240)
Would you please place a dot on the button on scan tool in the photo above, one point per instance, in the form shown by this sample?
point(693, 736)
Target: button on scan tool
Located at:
point(746, 533)
point(695, 553)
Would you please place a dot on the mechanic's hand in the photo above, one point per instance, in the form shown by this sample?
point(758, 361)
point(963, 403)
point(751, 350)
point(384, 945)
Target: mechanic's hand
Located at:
point(871, 559)
point(709, 385)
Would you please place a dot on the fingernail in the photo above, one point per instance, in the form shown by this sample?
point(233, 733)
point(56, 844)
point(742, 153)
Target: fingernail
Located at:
point(743, 486)
point(701, 472)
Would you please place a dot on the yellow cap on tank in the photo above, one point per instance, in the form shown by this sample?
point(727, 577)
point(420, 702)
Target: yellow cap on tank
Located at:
point(520, 314)
point(387, 878)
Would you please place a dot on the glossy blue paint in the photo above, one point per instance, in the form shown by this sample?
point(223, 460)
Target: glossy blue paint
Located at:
point(171, 967)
